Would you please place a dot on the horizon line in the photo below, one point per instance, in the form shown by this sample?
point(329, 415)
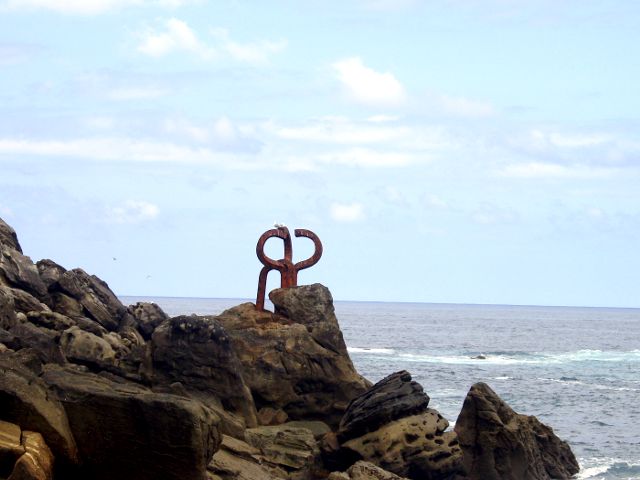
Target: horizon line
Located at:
point(470, 304)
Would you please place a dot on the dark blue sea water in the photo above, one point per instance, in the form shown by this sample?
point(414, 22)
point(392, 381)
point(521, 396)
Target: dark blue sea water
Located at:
point(576, 369)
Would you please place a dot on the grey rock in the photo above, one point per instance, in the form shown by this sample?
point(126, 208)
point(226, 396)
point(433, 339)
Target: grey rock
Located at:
point(500, 444)
point(25, 401)
point(8, 237)
point(197, 352)
point(124, 430)
point(148, 316)
point(97, 300)
point(393, 397)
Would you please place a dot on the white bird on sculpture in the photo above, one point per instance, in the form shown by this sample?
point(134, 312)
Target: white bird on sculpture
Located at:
point(279, 225)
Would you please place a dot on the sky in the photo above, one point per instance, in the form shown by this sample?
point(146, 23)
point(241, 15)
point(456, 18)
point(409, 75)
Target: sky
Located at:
point(454, 151)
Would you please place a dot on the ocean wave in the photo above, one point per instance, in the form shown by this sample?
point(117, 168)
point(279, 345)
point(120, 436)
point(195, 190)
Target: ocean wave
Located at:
point(514, 358)
point(607, 468)
point(382, 351)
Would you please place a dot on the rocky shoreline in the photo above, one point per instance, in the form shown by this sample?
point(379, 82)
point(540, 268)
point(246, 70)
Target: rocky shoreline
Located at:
point(91, 388)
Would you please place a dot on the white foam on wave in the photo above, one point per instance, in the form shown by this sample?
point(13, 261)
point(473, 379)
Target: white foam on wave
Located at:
point(383, 351)
point(597, 468)
point(520, 358)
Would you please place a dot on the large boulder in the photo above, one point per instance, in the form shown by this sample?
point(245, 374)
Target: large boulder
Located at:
point(8, 237)
point(392, 426)
point(93, 295)
point(25, 401)
point(197, 352)
point(124, 430)
point(147, 316)
point(296, 359)
point(18, 271)
point(500, 444)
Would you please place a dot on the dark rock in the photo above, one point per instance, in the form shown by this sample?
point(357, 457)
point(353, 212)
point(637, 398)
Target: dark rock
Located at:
point(97, 300)
point(50, 320)
point(299, 363)
point(500, 444)
point(25, 302)
point(24, 400)
point(43, 340)
point(197, 352)
point(393, 397)
point(391, 426)
point(50, 272)
point(86, 348)
point(124, 430)
point(271, 416)
point(147, 317)
point(18, 271)
point(7, 308)
point(8, 237)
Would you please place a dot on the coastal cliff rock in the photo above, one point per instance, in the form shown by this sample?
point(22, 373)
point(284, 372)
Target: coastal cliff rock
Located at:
point(197, 352)
point(296, 359)
point(500, 444)
point(391, 426)
point(90, 388)
point(24, 455)
point(125, 430)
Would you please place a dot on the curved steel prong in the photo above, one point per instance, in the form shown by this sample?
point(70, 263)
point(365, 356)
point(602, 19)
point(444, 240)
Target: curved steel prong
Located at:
point(313, 259)
point(281, 232)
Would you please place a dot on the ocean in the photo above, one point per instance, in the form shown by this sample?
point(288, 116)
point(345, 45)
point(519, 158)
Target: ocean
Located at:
point(576, 369)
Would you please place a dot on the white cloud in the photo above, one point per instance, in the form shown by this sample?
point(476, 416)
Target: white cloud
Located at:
point(366, 86)
point(87, 7)
point(340, 131)
point(112, 149)
point(493, 215)
point(346, 212)
point(137, 93)
point(253, 53)
point(436, 202)
point(133, 211)
point(464, 107)
point(553, 170)
point(364, 157)
point(176, 37)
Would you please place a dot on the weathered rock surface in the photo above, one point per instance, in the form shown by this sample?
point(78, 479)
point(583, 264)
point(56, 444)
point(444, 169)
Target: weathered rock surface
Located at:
point(8, 237)
point(24, 455)
point(500, 444)
point(197, 352)
point(147, 316)
point(391, 426)
point(117, 392)
point(298, 363)
point(124, 430)
point(288, 447)
point(37, 461)
point(362, 470)
point(237, 460)
point(392, 398)
point(25, 401)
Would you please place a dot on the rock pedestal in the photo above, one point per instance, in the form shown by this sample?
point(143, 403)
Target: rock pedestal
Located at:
point(296, 359)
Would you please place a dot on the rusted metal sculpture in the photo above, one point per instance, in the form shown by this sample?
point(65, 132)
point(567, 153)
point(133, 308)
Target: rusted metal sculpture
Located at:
point(288, 270)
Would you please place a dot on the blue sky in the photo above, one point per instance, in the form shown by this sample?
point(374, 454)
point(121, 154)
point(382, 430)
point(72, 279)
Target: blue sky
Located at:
point(444, 151)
